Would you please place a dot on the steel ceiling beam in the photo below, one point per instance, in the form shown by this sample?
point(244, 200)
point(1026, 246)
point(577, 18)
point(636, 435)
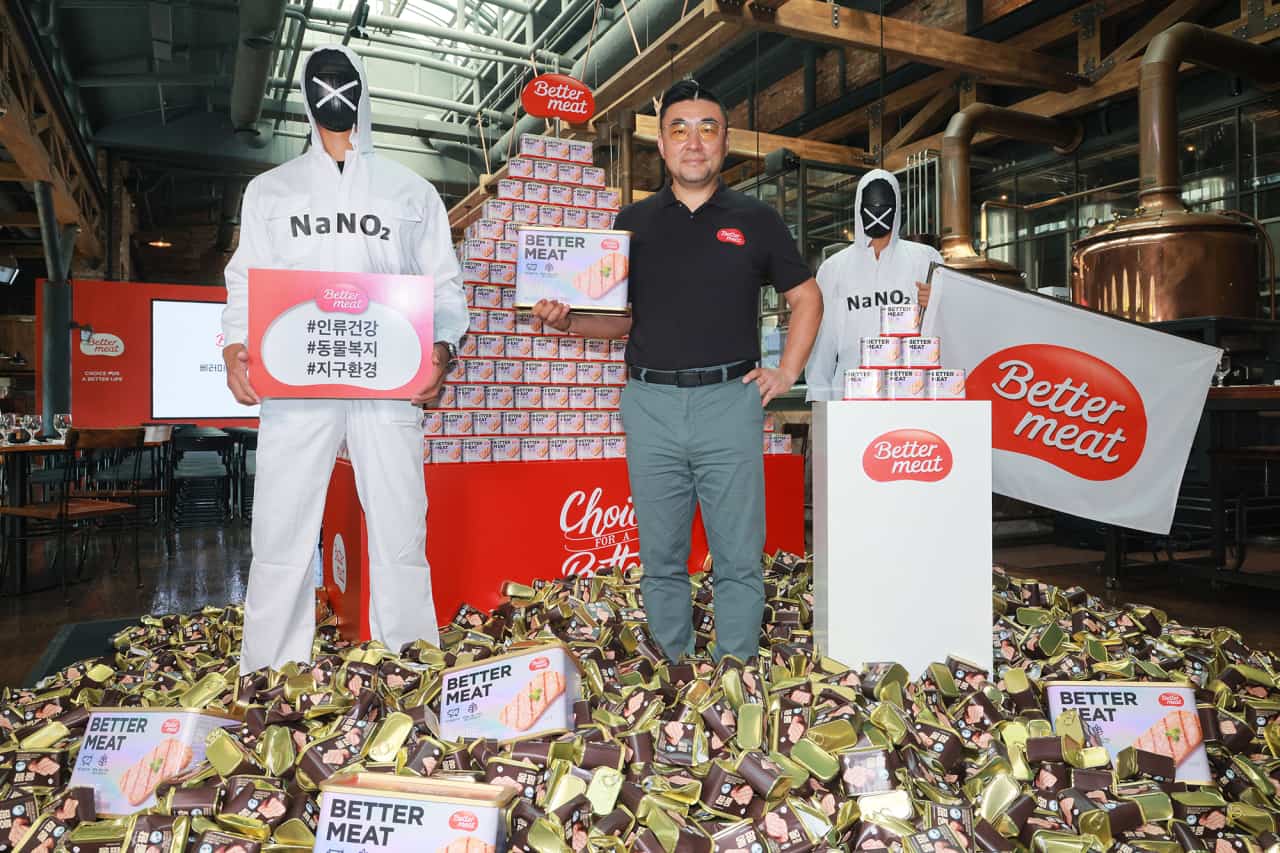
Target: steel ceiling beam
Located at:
point(403, 97)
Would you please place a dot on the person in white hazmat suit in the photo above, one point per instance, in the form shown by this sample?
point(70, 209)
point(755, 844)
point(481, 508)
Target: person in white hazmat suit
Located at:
point(880, 268)
point(339, 207)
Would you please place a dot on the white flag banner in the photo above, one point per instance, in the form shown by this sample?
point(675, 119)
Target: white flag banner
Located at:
point(1090, 415)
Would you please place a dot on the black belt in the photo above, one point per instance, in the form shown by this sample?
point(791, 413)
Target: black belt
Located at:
point(692, 378)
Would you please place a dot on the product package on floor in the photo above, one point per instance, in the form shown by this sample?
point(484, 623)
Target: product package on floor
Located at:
point(519, 694)
point(406, 814)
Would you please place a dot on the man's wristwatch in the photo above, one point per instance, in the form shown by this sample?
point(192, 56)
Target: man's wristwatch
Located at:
point(453, 353)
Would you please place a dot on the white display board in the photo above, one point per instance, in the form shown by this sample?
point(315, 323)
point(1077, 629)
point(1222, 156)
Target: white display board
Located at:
point(188, 379)
point(902, 531)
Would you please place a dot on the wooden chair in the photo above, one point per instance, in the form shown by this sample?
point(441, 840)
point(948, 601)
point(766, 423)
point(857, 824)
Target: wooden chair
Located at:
point(76, 507)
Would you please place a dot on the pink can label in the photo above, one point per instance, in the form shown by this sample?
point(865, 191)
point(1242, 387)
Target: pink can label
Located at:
point(480, 370)
point(527, 323)
point(478, 250)
point(490, 229)
point(563, 448)
point(617, 350)
point(922, 352)
point(900, 320)
point(446, 450)
point(550, 215)
point(582, 398)
point(608, 398)
point(864, 384)
point(544, 423)
point(575, 217)
point(457, 423)
point(534, 449)
point(557, 149)
point(518, 346)
point(487, 296)
point(537, 371)
point(509, 370)
point(945, 384)
point(476, 450)
point(506, 252)
point(593, 176)
point(599, 219)
point(528, 397)
point(880, 352)
point(511, 231)
point(597, 349)
point(590, 447)
point(584, 197)
point(564, 372)
point(615, 447)
point(536, 192)
point(544, 171)
point(510, 189)
point(615, 423)
point(572, 347)
point(615, 374)
point(500, 273)
point(596, 423)
point(571, 423)
point(498, 397)
point(494, 208)
point(502, 321)
point(589, 373)
point(608, 199)
point(532, 145)
point(505, 449)
point(433, 423)
point(555, 397)
point(520, 167)
point(515, 423)
point(581, 150)
point(561, 194)
point(524, 213)
point(905, 384)
point(489, 346)
point(487, 423)
point(546, 347)
point(471, 396)
point(476, 272)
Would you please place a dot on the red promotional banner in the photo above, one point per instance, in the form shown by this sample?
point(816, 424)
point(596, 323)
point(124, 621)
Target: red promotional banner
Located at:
point(339, 335)
point(558, 96)
point(493, 522)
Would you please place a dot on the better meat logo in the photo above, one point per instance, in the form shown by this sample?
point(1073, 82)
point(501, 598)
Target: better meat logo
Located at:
point(1064, 407)
point(1170, 700)
point(610, 244)
point(170, 726)
point(346, 298)
point(463, 821)
point(731, 235)
point(539, 663)
point(907, 454)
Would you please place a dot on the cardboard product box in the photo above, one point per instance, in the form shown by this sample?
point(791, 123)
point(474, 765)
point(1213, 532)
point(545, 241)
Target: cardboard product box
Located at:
point(505, 252)
point(608, 398)
point(479, 320)
point(490, 346)
point(615, 373)
point(505, 449)
point(433, 423)
point(446, 450)
point(532, 145)
point(563, 448)
point(590, 447)
point(471, 396)
point(537, 371)
point(555, 396)
point(615, 447)
point(546, 347)
point(515, 423)
point(510, 189)
point(498, 397)
point(509, 297)
point(550, 216)
point(584, 197)
point(478, 250)
point(561, 194)
point(569, 174)
point(486, 423)
point(519, 346)
point(502, 321)
point(528, 396)
point(571, 423)
point(587, 270)
point(545, 171)
point(537, 192)
point(596, 423)
point(582, 398)
point(557, 149)
point(581, 151)
point(502, 273)
point(593, 176)
point(527, 323)
point(476, 450)
point(386, 813)
point(496, 208)
point(589, 373)
point(511, 231)
point(508, 370)
point(534, 449)
point(615, 423)
point(522, 213)
point(457, 423)
point(520, 167)
point(575, 217)
point(475, 272)
point(490, 229)
point(487, 296)
point(480, 369)
point(564, 372)
point(600, 219)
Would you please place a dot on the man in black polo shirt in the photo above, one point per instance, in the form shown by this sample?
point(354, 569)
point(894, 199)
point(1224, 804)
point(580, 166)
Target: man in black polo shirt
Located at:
point(694, 406)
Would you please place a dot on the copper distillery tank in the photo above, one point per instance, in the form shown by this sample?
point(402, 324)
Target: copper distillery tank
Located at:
point(992, 269)
point(1166, 266)
point(1165, 263)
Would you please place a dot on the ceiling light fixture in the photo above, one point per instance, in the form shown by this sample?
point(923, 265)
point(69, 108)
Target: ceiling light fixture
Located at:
point(159, 243)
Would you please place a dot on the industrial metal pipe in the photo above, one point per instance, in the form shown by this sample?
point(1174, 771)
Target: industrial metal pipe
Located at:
point(260, 24)
point(1160, 188)
point(55, 320)
point(232, 190)
point(957, 214)
point(403, 97)
point(402, 56)
point(626, 147)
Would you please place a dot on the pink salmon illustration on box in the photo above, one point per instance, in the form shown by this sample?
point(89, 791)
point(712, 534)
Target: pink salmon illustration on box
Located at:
point(1176, 735)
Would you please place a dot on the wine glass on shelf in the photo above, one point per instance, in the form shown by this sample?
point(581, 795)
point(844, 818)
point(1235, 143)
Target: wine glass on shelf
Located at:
point(1221, 372)
point(8, 423)
point(62, 423)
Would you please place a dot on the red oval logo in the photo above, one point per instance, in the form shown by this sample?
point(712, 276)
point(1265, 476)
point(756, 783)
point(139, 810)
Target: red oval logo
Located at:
point(609, 243)
point(907, 454)
point(731, 235)
point(464, 821)
point(1171, 700)
point(170, 726)
point(539, 663)
point(343, 299)
point(558, 96)
point(1064, 407)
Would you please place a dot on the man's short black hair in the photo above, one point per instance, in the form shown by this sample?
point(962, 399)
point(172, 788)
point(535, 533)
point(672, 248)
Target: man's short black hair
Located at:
point(689, 90)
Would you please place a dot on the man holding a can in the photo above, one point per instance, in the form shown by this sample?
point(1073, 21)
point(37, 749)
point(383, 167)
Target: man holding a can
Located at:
point(693, 407)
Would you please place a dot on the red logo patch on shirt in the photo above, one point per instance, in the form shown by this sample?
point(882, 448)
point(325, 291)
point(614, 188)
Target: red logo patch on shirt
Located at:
point(731, 235)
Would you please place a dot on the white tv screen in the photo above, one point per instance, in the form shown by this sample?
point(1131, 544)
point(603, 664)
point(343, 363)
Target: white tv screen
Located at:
point(188, 380)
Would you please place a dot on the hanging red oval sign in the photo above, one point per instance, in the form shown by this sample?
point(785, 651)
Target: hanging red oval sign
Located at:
point(558, 96)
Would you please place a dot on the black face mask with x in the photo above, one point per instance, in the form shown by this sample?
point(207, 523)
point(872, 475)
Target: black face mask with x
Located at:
point(333, 90)
point(879, 206)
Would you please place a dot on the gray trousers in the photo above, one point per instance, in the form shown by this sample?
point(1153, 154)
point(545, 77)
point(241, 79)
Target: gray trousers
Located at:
point(703, 445)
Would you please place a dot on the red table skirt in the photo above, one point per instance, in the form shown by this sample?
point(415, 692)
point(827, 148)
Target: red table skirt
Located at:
point(493, 522)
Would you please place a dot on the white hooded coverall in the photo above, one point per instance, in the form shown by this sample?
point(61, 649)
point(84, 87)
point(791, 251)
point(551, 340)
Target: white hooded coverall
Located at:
point(297, 216)
point(855, 284)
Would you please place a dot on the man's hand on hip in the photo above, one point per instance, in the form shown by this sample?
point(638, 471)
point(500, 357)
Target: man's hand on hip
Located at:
point(772, 382)
point(236, 359)
point(431, 394)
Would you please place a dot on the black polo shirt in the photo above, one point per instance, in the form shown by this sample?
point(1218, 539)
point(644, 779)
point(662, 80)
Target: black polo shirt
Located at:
point(695, 277)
